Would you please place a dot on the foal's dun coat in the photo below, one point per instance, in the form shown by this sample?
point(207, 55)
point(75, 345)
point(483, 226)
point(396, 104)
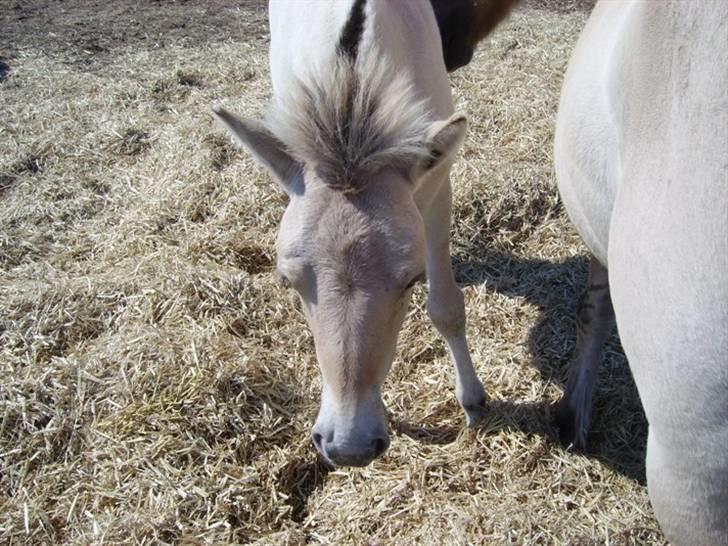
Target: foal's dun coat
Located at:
point(642, 162)
point(361, 135)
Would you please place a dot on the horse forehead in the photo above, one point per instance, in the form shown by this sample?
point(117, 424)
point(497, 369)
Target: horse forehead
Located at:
point(331, 214)
point(328, 226)
point(352, 235)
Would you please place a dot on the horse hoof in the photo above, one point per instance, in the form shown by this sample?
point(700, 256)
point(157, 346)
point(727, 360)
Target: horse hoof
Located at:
point(475, 413)
point(573, 430)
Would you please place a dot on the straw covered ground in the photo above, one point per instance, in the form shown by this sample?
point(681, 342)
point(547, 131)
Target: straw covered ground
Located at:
point(158, 387)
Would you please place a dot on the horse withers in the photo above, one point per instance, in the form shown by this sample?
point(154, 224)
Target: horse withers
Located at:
point(361, 134)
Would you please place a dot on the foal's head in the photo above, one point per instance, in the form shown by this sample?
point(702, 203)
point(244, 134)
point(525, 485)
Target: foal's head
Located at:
point(350, 151)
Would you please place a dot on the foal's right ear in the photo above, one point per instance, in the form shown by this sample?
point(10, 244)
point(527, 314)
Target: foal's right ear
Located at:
point(267, 150)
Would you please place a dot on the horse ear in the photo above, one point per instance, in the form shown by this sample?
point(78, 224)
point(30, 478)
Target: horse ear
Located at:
point(267, 150)
point(443, 139)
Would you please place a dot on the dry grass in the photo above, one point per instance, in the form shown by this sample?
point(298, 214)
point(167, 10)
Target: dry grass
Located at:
point(156, 387)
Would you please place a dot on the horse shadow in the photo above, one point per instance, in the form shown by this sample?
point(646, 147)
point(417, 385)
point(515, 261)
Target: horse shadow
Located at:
point(619, 428)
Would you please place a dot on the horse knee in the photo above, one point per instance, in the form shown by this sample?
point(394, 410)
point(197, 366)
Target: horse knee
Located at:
point(448, 313)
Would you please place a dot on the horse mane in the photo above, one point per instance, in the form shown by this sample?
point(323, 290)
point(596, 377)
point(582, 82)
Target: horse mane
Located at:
point(351, 117)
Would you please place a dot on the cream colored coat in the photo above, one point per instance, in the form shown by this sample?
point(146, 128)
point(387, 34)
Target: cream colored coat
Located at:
point(362, 142)
point(642, 162)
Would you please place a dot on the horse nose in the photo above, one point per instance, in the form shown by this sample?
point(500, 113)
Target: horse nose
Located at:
point(380, 445)
point(352, 455)
point(349, 453)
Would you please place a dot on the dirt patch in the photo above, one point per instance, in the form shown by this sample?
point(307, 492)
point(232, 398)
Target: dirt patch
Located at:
point(89, 33)
point(221, 151)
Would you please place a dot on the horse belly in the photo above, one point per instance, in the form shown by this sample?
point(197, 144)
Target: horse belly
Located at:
point(586, 147)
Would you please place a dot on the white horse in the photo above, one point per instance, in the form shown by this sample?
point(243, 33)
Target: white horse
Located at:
point(641, 156)
point(361, 135)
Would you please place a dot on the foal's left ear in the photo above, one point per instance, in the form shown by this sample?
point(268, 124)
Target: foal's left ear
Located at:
point(443, 139)
point(267, 150)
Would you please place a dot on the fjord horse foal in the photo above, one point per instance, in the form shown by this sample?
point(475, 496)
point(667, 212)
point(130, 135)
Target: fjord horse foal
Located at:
point(361, 135)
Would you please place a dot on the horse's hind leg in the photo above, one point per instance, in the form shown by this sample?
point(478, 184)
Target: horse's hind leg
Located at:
point(594, 324)
point(688, 492)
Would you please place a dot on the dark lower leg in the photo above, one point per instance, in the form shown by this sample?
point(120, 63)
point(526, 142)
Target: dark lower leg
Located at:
point(594, 324)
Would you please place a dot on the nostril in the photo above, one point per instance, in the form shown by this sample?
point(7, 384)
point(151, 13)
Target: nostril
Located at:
point(380, 446)
point(317, 440)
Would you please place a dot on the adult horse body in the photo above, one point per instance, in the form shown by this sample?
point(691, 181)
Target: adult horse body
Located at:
point(361, 135)
point(641, 155)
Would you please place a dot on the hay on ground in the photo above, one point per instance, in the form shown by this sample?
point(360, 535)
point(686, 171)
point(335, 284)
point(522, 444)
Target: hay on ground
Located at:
point(156, 385)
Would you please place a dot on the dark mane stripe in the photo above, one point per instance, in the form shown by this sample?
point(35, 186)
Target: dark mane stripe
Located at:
point(348, 45)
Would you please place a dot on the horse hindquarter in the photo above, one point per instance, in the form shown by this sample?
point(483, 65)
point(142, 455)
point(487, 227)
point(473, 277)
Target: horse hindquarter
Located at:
point(642, 160)
point(668, 259)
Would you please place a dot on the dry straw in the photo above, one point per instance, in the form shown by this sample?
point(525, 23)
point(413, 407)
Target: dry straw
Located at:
point(157, 387)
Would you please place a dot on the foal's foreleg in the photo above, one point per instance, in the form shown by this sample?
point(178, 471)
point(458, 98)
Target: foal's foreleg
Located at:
point(594, 324)
point(446, 307)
